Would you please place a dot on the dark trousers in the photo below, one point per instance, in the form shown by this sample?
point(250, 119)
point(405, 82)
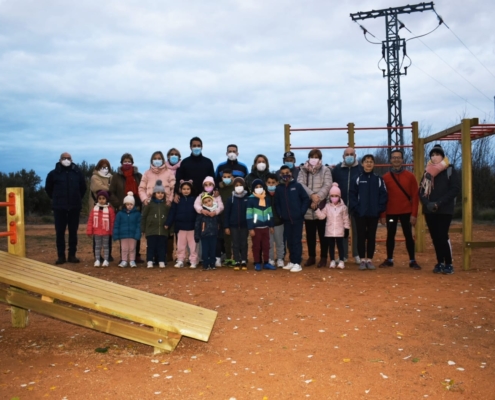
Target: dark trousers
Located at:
point(339, 241)
point(366, 233)
point(239, 238)
point(439, 225)
point(313, 226)
point(64, 219)
point(261, 244)
point(405, 222)
point(156, 248)
point(209, 244)
point(294, 240)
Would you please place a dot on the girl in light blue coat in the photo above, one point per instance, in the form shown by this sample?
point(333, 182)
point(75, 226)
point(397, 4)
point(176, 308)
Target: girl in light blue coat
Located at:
point(127, 229)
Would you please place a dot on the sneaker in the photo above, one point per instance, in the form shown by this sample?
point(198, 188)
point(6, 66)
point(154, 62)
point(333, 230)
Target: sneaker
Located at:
point(123, 264)
point(362, 266)
point(237, 266)
point(272, 262)
point(438, 269)
point(268, 265)
point(179, 264)
point(357, 259)
point(370, 265)
point(192, 266)
point(149, 264)
point(280, 263)
point(97, 263)
point(162, 264)
point(387, 263)
point(414, 265)
point(448, 269)
point(244, 265)
point(289, 266)
point(332, 264)
point(296, 268)
point(341, 265)
point(218, 262)
point(228, 262)
point(133, 264)
point(257, 267)
point(105, 264)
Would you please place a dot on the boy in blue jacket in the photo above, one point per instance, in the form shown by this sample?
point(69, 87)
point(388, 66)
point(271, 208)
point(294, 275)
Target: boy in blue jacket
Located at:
point(368, 199)
point(292, 202)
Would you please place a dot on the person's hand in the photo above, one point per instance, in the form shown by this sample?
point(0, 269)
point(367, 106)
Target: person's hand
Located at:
point(205, 212)
point(251, 233)
point(272, 231)
point(216, 193)
point(315, 198)
point(383, 221)
point(432, 207)
point(314, 205)
point(413, 220)
point(212, 213)
point(146, 202)
point(168, 203)
point(166, 227)
point(176, 198)
point(227, 231)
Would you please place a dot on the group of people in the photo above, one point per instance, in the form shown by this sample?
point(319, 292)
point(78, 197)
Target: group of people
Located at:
point(207, 214)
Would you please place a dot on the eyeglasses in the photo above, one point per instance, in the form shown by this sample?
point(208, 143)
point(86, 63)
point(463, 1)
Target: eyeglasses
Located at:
point(396, 158)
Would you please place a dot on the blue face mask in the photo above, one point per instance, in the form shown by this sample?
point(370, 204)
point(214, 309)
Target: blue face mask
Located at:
point(289, 164)
point(349, 160)
point(157, 163)
point(271, 188)
point(227, 181)
point(196, 151)
point(173, 159)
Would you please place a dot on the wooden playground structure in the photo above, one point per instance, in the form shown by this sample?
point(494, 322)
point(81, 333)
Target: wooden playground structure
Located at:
point(108, 307)
point(465, 132)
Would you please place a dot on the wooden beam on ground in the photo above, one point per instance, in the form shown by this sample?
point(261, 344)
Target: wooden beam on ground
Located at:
point(479, 245)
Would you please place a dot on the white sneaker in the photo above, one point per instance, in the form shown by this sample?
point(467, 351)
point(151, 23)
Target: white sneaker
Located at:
point(123, 264)
point(161, 264)
point(149, 264)
point(97, 263)
point(296, 268)
point(280, 263)
point(333, 264)
point(218, 262)
point(179, 264)
point(105, 263)
point(357, 259)
point(133, 264)
point(271, 262)
point(192, 266)
point(341, 265)
point(289, 266)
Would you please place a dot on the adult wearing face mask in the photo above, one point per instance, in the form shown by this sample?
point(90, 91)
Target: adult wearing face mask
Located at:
point(238, 169)
point(289, 160)
point(437, 192)
point(173, 160)
point(100, 180)
point(259, 170)
point(158, 172)
point(316, 179)
point(344, 174)
point(66, 186)
point(196, 167)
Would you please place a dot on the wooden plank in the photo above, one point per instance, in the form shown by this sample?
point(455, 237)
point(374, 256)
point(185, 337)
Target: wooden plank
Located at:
point(479, 245)
point(19, 316)
point(160, 339)
point(449, 131)
point(172, 341)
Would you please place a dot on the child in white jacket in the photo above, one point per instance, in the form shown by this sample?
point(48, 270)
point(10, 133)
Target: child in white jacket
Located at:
point(337, 221)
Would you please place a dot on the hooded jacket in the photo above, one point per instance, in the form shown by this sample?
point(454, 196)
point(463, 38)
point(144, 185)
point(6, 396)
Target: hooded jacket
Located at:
point(182, 215)
point(149, 179)
point(153, 218)
point(337, 219)
point(96, 225)
point(258, 216)
point(127, 224)
point(368, 195)
point(66, 187)
point(291, 201)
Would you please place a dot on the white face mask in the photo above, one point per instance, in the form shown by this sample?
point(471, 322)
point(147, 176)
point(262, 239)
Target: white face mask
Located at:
point(314, 161)
point(66, 163)
point(104, 170)
point(261, 166)
point(239, 189)
point(259, 190)
point(232, 156)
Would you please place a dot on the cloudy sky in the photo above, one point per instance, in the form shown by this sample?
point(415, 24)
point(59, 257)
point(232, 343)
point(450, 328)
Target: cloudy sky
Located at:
point(100, 78)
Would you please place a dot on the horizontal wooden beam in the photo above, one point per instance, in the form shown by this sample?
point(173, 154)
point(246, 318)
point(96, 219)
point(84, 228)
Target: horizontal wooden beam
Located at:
point(449, 131)
point(479, 245)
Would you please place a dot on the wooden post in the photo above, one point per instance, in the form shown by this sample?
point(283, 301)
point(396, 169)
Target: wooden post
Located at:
point(350, 134)
point(467, 194)
point(286, 138)
point(17, 246)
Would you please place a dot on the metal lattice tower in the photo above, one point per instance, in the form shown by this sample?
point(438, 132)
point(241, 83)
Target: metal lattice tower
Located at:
point(391, 47)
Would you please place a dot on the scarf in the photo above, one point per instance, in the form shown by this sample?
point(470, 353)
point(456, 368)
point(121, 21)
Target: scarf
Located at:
point(212, 208)
point(240, 195)
point(432, 170)
point(312, 169)
point(108, 175)
point(261, 197)
point(157, 170)
point(174, 167)
point(130, 181)
point(105, 218)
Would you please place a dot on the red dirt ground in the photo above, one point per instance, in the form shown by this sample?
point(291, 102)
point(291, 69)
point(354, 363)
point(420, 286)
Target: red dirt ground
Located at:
point(318, 334)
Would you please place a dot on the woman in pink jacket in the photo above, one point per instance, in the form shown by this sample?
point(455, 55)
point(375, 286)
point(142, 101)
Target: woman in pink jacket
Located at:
point(158, 171)
point(337, 221)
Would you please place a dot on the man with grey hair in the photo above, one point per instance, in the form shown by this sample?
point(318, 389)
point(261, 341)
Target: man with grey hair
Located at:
point(66, 186)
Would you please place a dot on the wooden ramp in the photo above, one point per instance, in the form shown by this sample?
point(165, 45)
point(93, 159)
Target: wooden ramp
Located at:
point(50, 285)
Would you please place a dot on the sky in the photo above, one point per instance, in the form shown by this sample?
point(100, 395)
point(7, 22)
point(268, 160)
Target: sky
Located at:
point(101, 78)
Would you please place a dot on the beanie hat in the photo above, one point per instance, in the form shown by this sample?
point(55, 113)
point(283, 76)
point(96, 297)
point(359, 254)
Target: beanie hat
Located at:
point(335, 189)
point(129, 198)
point(208, 179)
point(255, 183)
point(206, 196)
point(103, 193)
point(239, 179)
point(437, 149)
point(158, 187)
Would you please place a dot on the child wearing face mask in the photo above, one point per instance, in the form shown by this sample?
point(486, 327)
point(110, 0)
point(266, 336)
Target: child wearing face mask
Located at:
point(100, 227)
point(208, 188)
point(337, 217)
point(277, 237)
point(224, 245)
point(259, 217)
point(158, 171)
point(127, 229)
point(235, 223)
point(259, 170)
point(206, 231)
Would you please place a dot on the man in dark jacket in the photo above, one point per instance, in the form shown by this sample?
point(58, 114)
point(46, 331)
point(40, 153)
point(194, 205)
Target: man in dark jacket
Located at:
point(237, 168)
point(65, 186)
point(344, 174)
point(292, 202)
point(289, 159)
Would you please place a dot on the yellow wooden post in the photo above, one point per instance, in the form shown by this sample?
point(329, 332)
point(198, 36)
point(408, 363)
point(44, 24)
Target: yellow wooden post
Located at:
point(17, 245)
point(419, 166)
point(467, 193)
point(286, 138)
point(350, 134)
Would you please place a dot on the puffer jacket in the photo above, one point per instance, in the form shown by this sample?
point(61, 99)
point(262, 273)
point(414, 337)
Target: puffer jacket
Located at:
point(66, 187)
point(117, 189)
point(291, 201)
point(445, 189)
point(182, 215)
point(127, 225)
point(97, 183)
point(153, 218)
point(96, 226)
point(319, 183)
point(337, 219)
point(258, 216)
point(198, 204)
point(368, 195)
point(205, 226)
point(149, 179)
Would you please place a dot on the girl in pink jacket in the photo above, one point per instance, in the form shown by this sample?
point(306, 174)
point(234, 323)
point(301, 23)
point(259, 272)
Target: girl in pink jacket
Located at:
point(337, 221)
point(100, 225)
point(158, 171)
